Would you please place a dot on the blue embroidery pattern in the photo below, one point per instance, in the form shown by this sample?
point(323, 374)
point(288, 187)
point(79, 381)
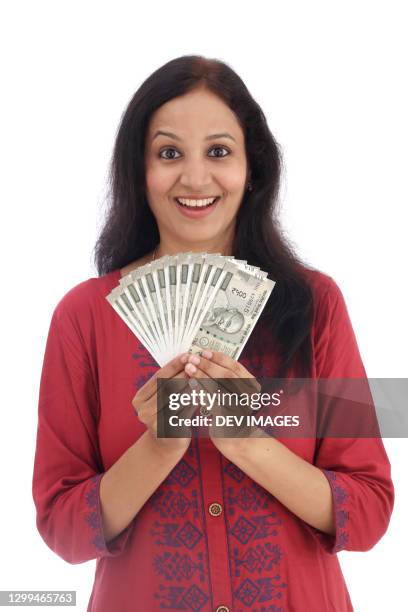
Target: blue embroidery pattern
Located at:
point(187, 563)
point(258, 558)
point(247, 527)
point(245, 500)
point(144, 361)
point(258, 527)
point(178, 598)
point(340, 497)
point(182, 560)
point(261, 589)
point(92, 518)
point(173, 505)
point(232, 470)
point(170, 534)
point(176, 566)
point(176, 505)
point(150, 361)
point(181, 474)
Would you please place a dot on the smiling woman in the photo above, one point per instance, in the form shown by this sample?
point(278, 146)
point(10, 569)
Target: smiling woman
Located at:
point(204, 524)
point(191, 174)
point(191, 132)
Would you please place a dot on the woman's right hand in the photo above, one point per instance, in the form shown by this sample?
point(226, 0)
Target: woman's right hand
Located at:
point(145, 403)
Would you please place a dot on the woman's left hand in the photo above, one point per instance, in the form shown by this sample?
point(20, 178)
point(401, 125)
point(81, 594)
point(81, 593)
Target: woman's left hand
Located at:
point(216, 365)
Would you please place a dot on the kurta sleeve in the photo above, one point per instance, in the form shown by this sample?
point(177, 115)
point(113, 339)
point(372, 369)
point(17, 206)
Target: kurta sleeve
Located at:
point(357, 469)
point(67, 465)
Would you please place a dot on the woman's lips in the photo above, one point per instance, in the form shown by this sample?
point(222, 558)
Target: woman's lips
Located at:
point(199, 211)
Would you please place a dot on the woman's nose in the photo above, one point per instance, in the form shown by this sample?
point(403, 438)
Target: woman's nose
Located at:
point(196, 176)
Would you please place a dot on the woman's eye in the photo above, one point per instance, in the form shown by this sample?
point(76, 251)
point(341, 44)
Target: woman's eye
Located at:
point(168, 149)
point(171, 149)
point(219, 149)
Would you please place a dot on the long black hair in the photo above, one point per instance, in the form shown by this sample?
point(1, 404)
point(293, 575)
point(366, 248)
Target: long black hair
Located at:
point(130, 230)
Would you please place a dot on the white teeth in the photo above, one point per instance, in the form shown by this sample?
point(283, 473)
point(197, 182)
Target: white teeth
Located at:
point(195, 203)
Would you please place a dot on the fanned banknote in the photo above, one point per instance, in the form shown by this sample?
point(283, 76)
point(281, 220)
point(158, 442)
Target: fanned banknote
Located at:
point(190, 302)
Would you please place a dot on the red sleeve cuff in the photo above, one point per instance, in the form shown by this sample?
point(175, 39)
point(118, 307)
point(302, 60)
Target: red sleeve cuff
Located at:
point(94, 519)
point(341, 513)
point(333, 544)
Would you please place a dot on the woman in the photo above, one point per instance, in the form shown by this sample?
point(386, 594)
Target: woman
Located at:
point(203, 524)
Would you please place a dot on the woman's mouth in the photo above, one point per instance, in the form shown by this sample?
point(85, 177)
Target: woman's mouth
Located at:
point(196, 208)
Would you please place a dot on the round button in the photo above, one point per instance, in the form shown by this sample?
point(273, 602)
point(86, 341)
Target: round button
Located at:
point(215, 509)
point(203, 411)
point(222, 609)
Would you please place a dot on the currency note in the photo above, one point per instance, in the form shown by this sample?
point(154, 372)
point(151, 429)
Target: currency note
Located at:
point(232, 314)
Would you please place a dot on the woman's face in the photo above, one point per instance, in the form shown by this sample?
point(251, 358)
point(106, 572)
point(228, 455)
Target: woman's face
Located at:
point(201, 156)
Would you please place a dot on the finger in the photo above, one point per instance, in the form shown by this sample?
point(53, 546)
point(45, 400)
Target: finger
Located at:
point(169, 370)
point(227, 362)
point(212, 370)
point(248, 380)
point(208, 385)
point(226, 383)
point(180, 389)
point(149, 408)
point(144, 405)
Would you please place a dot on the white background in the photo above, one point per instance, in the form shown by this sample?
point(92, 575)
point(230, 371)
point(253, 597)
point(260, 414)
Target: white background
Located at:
point(331, 79)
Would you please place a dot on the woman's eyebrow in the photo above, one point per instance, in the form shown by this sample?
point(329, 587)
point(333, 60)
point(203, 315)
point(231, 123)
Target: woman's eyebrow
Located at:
point(171, 135)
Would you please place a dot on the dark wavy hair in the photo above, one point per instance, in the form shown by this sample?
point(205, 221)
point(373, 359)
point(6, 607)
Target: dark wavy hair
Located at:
point(130, 230)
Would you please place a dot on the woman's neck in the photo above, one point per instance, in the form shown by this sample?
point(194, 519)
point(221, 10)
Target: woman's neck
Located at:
point(172, 248)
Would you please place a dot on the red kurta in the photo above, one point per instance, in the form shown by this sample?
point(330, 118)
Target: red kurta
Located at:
point(255, 555)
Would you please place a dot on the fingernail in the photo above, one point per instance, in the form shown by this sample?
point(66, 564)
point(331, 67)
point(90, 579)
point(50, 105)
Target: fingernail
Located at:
point(190, 368)
point(207, 354)
point(194, 359)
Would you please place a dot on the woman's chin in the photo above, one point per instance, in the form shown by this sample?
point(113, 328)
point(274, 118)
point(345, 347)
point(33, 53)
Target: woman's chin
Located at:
point(199, 240)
